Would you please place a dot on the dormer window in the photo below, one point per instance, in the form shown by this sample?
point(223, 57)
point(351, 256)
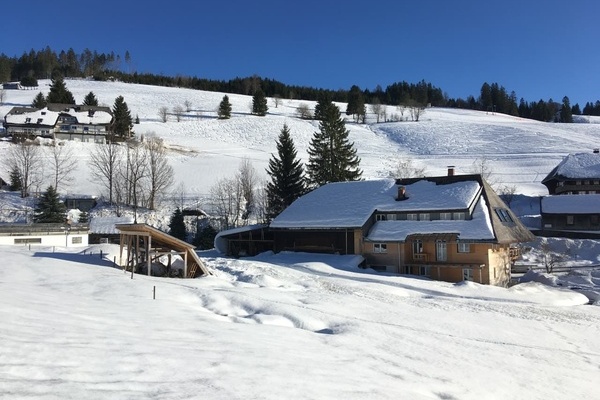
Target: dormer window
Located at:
point(43, 112)
point(381, 217)
point(27, 120)
point(503, 215)
point(91, 113)
point(39, 120)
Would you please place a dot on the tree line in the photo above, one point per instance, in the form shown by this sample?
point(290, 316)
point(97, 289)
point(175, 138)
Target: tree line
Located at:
point(47, 63)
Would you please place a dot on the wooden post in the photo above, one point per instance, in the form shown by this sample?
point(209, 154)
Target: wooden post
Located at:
point(185, 265)
point(148, 257)
point(153, 292)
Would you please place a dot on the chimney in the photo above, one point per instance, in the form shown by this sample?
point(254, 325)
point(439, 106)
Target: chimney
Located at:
point(596, 150)
point(450, 170)
point(401, 193)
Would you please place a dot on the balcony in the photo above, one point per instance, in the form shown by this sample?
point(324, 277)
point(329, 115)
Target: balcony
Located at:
point(420, 257)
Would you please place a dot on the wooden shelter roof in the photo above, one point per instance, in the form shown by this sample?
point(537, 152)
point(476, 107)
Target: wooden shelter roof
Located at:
point(165, 241)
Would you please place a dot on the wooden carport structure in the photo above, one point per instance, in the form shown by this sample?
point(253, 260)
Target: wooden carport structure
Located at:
point(145, 244)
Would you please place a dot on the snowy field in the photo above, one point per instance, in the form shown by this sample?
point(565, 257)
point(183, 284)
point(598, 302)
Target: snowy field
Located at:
point(301, 326)
point(291, 326)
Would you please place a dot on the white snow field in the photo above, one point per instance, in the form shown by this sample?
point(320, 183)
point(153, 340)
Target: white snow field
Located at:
point(300, 326)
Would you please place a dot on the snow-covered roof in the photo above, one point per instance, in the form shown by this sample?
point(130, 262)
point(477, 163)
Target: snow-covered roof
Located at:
point(572, 204)
point(579, 165)
point(350, 204)
point(106, 225)
point(221, 244)
point(49, 117)
point(478, 228)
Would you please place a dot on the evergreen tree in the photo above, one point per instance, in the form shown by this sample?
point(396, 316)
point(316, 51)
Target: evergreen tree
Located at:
point(84, 217)
point(29, 81)
point(177, 225)
point(49, 208)
point(59, 92)
point(122, 122)
point(286, 173)
point(224, 111)
point(90, 99)
point(39, 101)
point(332, 158)
point(575, 110)
point(259, 103)
point(16, 182)
point(323, 102)
point(356, 103)
point(137, 120)
point(566, 113)
point(205, 237)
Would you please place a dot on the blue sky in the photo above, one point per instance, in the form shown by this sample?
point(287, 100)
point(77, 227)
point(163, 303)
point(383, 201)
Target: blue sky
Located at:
point(538, 48)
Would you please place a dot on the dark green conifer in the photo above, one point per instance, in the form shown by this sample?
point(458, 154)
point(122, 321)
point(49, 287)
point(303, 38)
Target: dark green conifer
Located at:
point(177, 225)
point(224, 111)
point(39, 101)
point(287, 176)
point(122, 122)
point(49, 208)
point(259, 103)
point(59, 92)
point(90, 99)
point(332, 158)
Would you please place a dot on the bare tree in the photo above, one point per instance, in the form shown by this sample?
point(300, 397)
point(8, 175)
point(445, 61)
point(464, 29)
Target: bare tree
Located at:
point(188, 105)
point(401, 108)
point(135, 171)
point(276, 100)
point(376, 108)
point(2, 96)
point(160, 173)
point(551, 258)
point(482, 166)
point(178, 111)
point(178, 195)
point(63, 164)
point(417, 112)
point(406, 169)
point(227, 201)
point(25, 157)
point(303, 111)
point(507, 193)
point(104, 163)
point(163, 113)
point(247, 179)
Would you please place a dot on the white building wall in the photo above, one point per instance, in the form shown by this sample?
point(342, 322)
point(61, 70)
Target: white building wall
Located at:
point(58, 240)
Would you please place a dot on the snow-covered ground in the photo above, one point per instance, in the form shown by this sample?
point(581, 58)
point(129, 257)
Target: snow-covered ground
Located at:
point(301, 326)
point(293, 326)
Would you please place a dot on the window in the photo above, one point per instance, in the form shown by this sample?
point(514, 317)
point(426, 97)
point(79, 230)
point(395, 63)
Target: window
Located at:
point(411, 217)
point(28, 240)
point(458, 215)
point(39, 120)
point(594, 219)
point(417, 246)
point(503, 215)
point(578, 183)
point(379, 248)
point(464, 247)
point(424, 270)
point(441, 253)
point(380, 217)
point(446, 216)
point(27, 120)
point(467, 274)
point(76, 240)
point(570, 220)
point(424, 217)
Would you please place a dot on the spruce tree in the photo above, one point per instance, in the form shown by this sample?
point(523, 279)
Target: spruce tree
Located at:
point(90, 99)
point(224, 111)
point(16, 182)
point(356, 102)
point(332, 158)
point(177, 225)
point(122, 122)
point(39, 101)
point(205, 237)
point(49, 208)
point(59, 92)
point(259, 103)
point(323, 102)
point(84, 217)
point(566, 113)
point(286, 173)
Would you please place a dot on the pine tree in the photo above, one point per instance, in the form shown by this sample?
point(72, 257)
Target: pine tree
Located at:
point(90, 99)
point(259, 103)
point(122, 122)
point(332, 158)
point(59, 92)
point(84, 217)
point(16, 182)
point(566, 113)
point(205, 237)
point(356, 103)
point(49, 208)
point(224, 111)
point(39, 101)
point(323, 102)
point(286, 173)
point(177, 225)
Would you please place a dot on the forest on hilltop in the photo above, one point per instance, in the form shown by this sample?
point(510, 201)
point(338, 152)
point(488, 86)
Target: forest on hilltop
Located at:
point(47, 63)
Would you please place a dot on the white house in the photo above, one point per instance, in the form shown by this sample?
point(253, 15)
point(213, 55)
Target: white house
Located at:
point(60, 235)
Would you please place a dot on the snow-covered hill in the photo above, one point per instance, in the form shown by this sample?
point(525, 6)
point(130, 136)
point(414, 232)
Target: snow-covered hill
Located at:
point(518, 152)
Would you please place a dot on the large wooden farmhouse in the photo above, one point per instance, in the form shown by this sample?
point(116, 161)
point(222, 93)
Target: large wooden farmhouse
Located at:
point(573, 205)
point(450, 228)
point(60, 121)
